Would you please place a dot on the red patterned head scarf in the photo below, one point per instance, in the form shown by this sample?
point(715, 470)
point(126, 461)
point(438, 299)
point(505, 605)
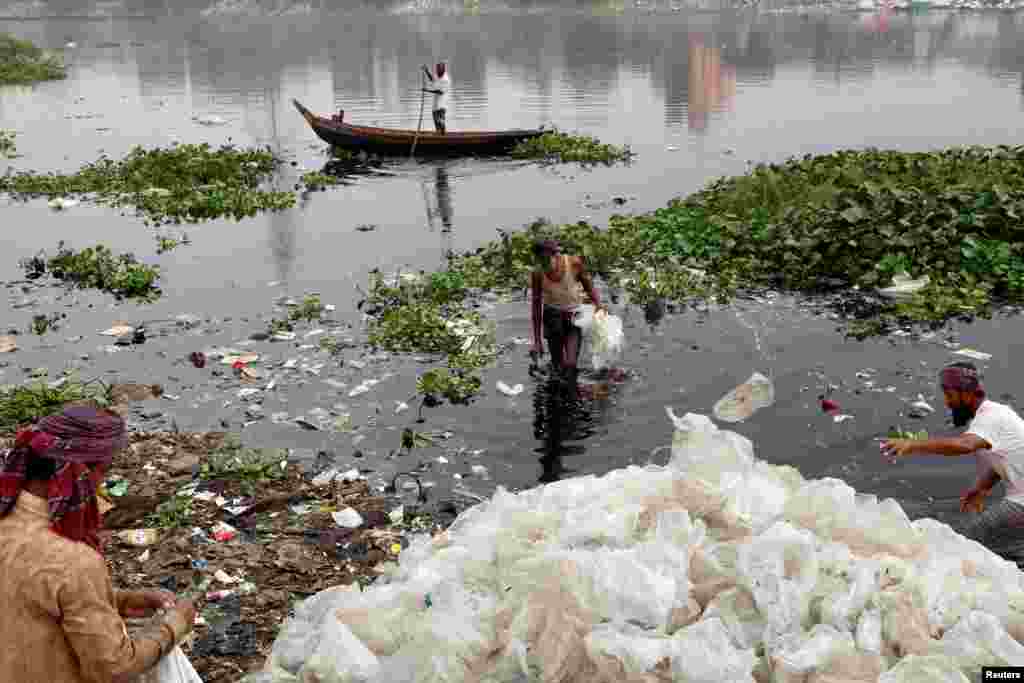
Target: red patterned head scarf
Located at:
point(82, 441)
point(961, 377)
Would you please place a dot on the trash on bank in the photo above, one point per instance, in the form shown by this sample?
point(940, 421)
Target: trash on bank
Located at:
point(139, 538)
point(223, 532)
point(746, 399)
point(347, 518)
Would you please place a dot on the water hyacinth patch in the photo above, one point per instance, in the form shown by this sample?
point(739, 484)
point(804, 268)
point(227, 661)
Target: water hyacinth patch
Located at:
point(558, 147)
point(7, 147)
point(413, 312)
point(320, 181)
point(856, 218)
point(25, 404)
point(22, 62)
point(182, 183)
point(98, 268)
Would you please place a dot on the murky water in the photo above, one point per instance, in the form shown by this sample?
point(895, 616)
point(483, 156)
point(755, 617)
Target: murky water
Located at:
point(696, 93)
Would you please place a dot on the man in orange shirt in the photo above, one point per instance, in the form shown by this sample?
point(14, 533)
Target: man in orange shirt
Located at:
point(63, 621)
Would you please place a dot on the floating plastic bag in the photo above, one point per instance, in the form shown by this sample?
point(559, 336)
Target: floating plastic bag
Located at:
point(904, 287)
point(746, 399)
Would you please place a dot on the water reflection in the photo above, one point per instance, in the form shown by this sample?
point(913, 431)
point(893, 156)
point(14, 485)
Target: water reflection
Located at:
point(443, 195)
point(565, 415)
point(712, 84)
point(560, 414)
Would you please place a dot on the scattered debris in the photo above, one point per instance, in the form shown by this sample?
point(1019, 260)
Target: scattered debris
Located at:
point(973, 354)
point(509, 391)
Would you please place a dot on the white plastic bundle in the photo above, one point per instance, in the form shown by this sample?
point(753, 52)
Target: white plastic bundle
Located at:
point(604, 331)
point(640, 574)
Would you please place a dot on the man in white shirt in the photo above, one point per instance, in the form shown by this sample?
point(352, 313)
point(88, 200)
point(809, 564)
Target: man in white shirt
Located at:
point(440, 84)
point(995, 434)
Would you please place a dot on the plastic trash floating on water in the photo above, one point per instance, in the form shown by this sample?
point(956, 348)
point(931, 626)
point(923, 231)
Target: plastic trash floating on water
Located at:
point(974, 355)
point(904, 286)
point(509, 391)
point(61, 203)
point(746, 399)
point(708, 569)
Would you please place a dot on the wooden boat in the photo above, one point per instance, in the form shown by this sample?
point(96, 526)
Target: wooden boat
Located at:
point(396, 141)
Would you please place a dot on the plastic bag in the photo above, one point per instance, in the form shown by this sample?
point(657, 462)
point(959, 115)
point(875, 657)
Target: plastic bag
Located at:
point(904, 287)
point(797, 654)
point(869, 631)
point(583, 318)
point(637, 649)
point(703, 451)
point(607, 339)
point(924, 669)
point(746, 399)
point(174, 668)
point(705, 653)
point(780, 568)
point(340, 657)
point(849, 667)
point(739, 615)
point(980, 640)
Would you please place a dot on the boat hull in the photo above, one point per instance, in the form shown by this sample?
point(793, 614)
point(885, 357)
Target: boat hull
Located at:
point(397, 141)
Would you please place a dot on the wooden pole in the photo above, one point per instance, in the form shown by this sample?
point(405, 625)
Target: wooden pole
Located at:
point(423, 97)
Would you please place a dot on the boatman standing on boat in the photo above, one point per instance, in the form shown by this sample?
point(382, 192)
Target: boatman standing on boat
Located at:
point(995, 434)
point(440, 85)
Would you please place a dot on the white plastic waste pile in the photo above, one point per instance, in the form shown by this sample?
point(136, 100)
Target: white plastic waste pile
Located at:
point(717, 567)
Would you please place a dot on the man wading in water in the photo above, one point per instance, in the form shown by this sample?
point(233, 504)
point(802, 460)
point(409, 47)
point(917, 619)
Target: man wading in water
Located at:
point(441, 83)
point(996, 434)
point(557, 291)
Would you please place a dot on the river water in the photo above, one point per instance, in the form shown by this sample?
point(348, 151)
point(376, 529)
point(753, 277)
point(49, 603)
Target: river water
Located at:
point(696, 91)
